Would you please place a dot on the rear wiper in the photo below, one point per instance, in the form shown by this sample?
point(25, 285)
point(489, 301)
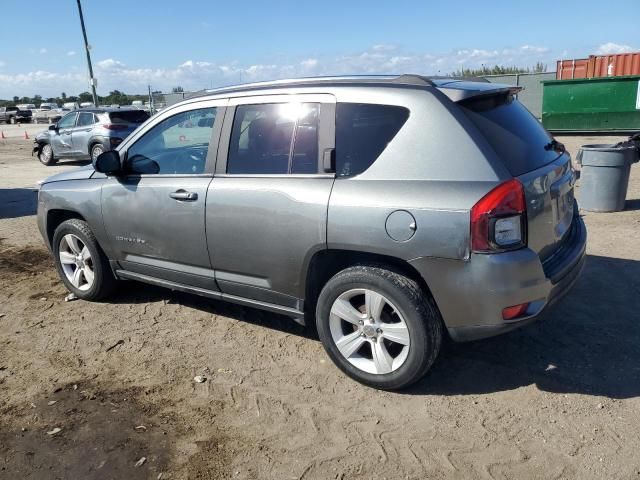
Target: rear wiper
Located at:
point(556, 146)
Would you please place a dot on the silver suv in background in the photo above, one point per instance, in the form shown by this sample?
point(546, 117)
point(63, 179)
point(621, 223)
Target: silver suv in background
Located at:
point(390, 211)
point(85, 134)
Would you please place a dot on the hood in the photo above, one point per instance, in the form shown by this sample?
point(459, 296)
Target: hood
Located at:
point(42, 135)
point(81, 173)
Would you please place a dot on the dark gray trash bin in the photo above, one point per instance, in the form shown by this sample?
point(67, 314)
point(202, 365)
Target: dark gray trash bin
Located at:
point(604, 176)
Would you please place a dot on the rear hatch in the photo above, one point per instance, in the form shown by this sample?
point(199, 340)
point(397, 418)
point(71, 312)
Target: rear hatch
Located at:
point(127, 120)
point(532, 156)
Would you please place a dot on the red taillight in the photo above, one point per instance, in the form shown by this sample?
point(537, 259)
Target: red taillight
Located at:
point(503, 207)
point(114, 126)
point(515, 311)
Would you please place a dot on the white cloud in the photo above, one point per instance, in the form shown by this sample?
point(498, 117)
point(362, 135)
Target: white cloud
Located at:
point(71, 53)
point(309, 63)
point(43, 50)
point(382, 47)
point(195, 74)
point(613, 48)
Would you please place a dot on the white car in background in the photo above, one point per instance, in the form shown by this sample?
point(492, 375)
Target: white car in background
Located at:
point(27, 106)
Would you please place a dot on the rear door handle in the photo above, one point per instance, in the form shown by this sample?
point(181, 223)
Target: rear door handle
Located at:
point(184, 195)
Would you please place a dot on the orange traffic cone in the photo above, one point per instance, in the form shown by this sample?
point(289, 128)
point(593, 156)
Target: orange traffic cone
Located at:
point(26, 135)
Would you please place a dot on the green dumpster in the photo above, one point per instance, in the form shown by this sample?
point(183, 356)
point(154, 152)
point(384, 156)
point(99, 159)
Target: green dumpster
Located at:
point(592, 104)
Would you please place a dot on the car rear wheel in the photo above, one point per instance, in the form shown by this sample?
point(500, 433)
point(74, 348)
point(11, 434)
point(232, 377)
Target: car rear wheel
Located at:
point(81, 263)
point(12, 120)
point(378, 326)
point(46, 155)
point(96, 151)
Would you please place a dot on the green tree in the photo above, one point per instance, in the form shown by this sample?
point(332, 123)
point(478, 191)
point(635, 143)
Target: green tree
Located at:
point(63, 97)
point(177, 89)
point(498, 70)
point(85, 97)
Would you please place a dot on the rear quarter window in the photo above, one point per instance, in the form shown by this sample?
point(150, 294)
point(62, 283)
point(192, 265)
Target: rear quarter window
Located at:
point(363, 131)
point(514, 133)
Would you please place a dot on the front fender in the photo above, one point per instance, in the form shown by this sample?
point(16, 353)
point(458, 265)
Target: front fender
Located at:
point(80, 197)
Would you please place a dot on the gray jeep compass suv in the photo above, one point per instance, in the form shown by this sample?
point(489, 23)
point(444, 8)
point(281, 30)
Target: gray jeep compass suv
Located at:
point(391, 210)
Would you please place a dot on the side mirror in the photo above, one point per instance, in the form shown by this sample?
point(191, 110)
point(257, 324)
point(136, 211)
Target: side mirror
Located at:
point(53, 127)
point(108, 163)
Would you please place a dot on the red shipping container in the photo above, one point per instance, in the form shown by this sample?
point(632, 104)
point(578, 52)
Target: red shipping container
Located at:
point(617, 65)
point(569, 69)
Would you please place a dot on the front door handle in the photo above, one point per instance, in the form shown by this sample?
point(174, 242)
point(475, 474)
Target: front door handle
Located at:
point(184, 195)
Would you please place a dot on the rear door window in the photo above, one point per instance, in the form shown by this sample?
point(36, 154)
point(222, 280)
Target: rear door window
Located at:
point(515, 134)
point(363, 131)
point(274, 138)
point(85, 119)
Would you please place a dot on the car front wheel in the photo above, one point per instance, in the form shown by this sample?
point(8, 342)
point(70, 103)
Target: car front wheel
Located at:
point(46, 155)
point(378, 326)
point(81, 263)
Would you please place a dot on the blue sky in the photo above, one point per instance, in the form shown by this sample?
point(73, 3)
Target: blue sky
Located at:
point(202, 44)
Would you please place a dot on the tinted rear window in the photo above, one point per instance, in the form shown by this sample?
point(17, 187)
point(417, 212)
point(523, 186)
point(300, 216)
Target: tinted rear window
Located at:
point(128, 116)
point(517, 136)
point(363, 131)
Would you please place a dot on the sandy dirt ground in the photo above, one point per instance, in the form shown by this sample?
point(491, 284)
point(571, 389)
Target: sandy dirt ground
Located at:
point(556, 400)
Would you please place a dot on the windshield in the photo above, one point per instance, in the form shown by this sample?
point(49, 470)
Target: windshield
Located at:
point(515, 134)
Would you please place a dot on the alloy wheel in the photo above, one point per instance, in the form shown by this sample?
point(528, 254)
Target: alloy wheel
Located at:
point(96, 151)
point(369, 331)
point(46, 153)
point(76, 262)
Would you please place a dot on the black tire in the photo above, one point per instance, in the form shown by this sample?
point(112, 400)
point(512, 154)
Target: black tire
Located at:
point(104, 283)
point(419, 311)
point(12, 120)
point(47, 159)
point(96, 150)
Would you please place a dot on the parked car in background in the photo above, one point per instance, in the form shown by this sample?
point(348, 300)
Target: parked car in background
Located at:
point(87, 105)
point(85, 134)
point(71, 105)
point(26, 106)
point(15, 115)
point(389, 210)
point(49, 106)
point(47, 113)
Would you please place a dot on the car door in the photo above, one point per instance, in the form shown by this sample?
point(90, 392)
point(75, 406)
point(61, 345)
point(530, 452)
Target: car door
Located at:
point(154, 213)
point(267, 205)
point(82, 132)
point(61, 142)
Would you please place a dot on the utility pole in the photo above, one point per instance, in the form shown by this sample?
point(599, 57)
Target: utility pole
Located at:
point(151, 112)
point(86, 47)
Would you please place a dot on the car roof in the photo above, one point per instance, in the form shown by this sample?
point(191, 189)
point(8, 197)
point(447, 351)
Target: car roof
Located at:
point(455, 88)
point(107, 110)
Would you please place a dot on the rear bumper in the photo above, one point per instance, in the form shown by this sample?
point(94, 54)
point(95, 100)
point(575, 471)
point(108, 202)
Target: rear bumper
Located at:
point(471, 295)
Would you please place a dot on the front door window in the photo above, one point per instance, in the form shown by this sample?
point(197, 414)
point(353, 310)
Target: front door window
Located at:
point(177, 145)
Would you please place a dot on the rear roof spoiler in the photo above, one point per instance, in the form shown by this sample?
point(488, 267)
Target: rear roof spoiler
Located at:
point(459, 90)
